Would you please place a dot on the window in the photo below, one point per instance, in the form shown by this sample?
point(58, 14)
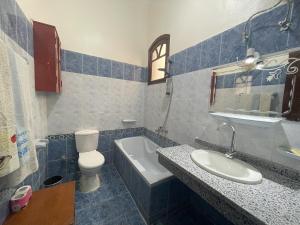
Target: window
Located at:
point(158, 59)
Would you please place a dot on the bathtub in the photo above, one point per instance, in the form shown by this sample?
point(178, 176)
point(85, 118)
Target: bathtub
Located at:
point(150, 184)
point(142, 154)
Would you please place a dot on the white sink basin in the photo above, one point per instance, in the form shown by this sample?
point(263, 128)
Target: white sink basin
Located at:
point(231, 169)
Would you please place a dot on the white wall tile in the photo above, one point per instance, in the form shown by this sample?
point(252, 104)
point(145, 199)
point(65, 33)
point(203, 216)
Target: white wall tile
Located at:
point(94, 102)
point(189, 118)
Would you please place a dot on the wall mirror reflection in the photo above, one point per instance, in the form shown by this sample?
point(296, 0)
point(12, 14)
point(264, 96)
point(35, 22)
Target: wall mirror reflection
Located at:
point(268, 87)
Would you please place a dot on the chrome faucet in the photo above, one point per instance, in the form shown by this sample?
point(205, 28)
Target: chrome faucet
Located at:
point(231, 152)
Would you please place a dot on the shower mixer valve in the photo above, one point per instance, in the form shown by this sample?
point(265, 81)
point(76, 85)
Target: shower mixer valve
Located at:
point(161, 130)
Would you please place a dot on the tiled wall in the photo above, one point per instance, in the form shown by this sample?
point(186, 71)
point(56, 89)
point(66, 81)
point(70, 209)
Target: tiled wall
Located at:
point(86, 64)
point(16, 32)
point(189, 116)
point(158, 200)
point(94, 102)
point(62, 154)
point(63, 157)
point(228, 46)
point(14, 23)
point(35, 180)
point(154, 202)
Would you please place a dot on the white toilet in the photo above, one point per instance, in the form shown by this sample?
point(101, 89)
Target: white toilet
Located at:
point(90, 160)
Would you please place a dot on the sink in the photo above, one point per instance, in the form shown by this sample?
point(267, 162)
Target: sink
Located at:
point(231, 169)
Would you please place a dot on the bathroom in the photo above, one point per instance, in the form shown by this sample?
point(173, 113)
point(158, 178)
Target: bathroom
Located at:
point(140, 112)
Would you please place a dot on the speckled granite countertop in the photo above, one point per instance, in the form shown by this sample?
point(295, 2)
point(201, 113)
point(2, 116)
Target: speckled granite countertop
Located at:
point(276, 201)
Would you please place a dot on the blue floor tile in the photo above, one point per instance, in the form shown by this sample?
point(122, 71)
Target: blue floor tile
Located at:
point(111, 204)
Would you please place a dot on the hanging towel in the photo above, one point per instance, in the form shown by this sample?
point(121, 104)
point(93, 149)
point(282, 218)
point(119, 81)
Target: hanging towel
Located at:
point(23, 112)
point(9, 159)
point(23, 99)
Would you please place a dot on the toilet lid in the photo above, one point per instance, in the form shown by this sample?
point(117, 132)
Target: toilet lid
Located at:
point(90, 160)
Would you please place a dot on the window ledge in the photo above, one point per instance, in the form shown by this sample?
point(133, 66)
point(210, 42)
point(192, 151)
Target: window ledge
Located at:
point(258, 121)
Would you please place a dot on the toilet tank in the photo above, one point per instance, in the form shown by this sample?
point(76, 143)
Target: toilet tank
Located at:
point(86, 140)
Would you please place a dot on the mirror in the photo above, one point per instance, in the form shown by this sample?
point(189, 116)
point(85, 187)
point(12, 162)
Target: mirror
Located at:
point(258, 89)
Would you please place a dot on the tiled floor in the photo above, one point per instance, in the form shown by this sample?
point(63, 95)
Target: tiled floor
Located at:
point(111, 204)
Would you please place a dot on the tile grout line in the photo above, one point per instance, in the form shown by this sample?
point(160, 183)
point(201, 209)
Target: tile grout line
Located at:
point(132, 199)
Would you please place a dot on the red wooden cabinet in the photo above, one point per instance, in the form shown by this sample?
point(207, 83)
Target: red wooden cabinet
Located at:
point(47, 58)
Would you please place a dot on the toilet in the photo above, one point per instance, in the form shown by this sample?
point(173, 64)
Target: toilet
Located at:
point(90, 160)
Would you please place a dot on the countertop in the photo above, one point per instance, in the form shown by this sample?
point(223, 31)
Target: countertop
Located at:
point(48, 206)
point(276, 201)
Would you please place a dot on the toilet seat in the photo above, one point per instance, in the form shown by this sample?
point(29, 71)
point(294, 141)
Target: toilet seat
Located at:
point(90, 160)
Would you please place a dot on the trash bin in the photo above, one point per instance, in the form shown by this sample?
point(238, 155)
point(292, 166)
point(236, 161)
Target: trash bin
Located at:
point(51, 181)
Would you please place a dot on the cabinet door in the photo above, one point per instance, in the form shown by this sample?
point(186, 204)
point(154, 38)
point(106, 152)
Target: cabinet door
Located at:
point(46, 58)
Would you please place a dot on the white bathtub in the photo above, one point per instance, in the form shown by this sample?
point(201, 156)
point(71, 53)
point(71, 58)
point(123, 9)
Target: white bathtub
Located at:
point(142, 154)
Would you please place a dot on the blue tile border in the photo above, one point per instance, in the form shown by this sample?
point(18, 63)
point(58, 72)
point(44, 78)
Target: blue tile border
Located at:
point(104, 67)
point(14, 23)
point(228, 46)
point(223, 48)
point(255, 78)
point(96, 66)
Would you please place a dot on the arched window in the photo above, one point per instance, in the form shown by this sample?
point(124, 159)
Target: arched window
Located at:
point(158, 59)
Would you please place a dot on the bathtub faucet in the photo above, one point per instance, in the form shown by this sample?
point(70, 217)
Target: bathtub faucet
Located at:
point(161, 131)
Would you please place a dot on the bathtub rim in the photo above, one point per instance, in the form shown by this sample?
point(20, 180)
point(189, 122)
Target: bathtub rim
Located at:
point(117, 143)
